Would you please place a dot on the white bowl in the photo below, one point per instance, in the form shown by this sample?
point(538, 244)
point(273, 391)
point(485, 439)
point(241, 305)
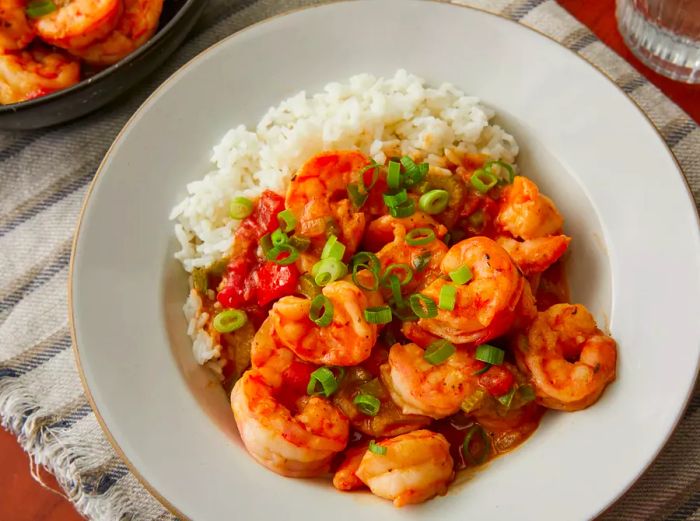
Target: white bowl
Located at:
point(635, 262)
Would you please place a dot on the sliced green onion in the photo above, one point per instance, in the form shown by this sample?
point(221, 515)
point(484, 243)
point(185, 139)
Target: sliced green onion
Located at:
point(229, 320)
point(421, 261)
point(526, 393)
point(299, 242)
point(368, 259)
point(375, 167)
point(408, 273)
point(40, 8)
point(279, 237)
point(483, 181)
point(393, 175)
point(378, 315)
point(266, 243)
point(438, 351)
point(307, 286)
point(511, 174)
point(359, 283)
point(333, 249)
point(287, 220)
point(480, 458)
point(507, 398)
point(414, 173)
point(490, 354)
point(448, 297)
point(328, 270)
point(356, 195)
point(324, 377)
point(200, 280)
point(397, 199)
point(420, 236)
point(240, 207)
point(321, 311)
point(482, 370)
point(377, 449)
point(422, 306)
point(274, 254)
point(367, 404)
point(434, 201)
point(475, 399)
point(461, 275)
point(403, 210)
point(395, 285)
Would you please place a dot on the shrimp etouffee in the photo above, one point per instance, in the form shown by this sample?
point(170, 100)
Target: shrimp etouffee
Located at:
point(390, 325)
point(49, 45)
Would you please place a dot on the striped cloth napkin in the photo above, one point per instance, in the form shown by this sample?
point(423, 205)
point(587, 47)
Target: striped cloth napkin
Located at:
point(43, 177)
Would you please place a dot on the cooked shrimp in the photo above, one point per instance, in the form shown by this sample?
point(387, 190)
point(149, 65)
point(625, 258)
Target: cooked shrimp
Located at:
point(419, 387)
point(135, 27)
point(415, 467)
point(527, 214)
point(78, 23)
point(384, 229)
point(15, 30)
point(295, 445)
point(535, 255)
point(318, 194)
point(268, 356)
point(35, 72)
point(348, 340)
point(484, 306)
point(345, 478)
point(571, 361)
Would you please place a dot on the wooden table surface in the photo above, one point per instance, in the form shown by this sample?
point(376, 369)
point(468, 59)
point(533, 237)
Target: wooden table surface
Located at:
point(23, 499)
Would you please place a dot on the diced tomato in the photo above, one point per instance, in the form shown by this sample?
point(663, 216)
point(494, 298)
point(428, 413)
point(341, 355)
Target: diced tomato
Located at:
point(238, 289)
point(263, 220)
point(275, 281)
point(497, 380)
point(295, 379)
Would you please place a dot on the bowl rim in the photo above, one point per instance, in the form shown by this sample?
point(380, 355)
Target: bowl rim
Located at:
point(202, 55)
point(83, 84)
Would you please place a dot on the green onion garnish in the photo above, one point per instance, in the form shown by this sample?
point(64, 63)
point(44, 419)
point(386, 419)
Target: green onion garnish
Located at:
point(333, 249)
point(367, 404)
point(325, 377)
point(358, 282)
point(266, 244)
point(328, 270)
point(229, 320)
point(422, 306)
point(448, 297)
point(307, 286)
point(240, 207)
point(461, 275)
point(393, 175)
point(378, 315)
point(414, 173)
point(299, 242)
point(357, 196)
point(287, 219)
point(403, 210)
point(483, 181)
point(40, 8)
point(278, 237)
point(366, 259)
point(509, 169)
point(321, 311)
point(438, 351)
point(507, 398)
point(377, 449)
point(481, 457)
point(375, 167)
point(420, 236)
point(395, 285)
point(200, 281)
point(408, 273)
point(434, 201)
point(273, 254)
point(421, 261)
point(490, 354)
point(482, 370)
point(397, 199)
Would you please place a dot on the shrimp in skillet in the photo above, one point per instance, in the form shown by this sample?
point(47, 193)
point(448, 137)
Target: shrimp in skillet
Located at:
point(413, 468)
point(347, 341)
point(485, 305)
point(15, 30)
point(78, 23)
point(135, 27)
point(570, 360)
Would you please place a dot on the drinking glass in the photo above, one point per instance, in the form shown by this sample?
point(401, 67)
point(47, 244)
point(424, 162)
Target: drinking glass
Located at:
point(664, 34)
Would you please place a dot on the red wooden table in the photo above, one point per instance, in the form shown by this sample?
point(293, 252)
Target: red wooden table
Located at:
point(23, 499)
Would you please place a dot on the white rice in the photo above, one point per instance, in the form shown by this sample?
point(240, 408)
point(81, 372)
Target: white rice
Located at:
point(367, 113)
